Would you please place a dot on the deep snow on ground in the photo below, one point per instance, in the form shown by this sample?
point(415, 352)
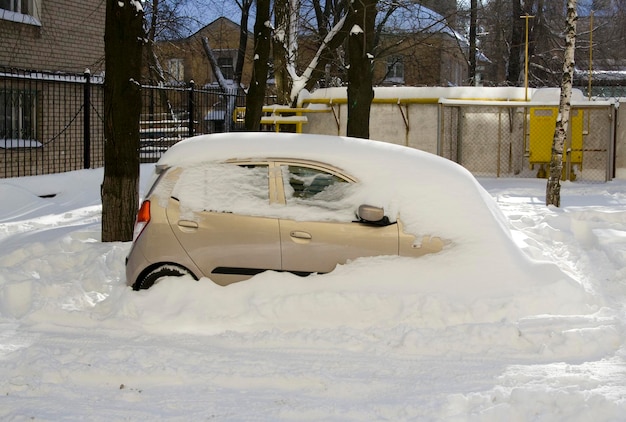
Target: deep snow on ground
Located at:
point(377, 339)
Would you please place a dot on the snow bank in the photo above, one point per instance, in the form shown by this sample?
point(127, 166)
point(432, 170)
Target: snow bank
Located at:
point(443, 337)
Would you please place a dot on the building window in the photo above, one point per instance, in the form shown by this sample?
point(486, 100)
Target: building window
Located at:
point(226, 66)
point(395, 70)
point(18, 118)
point(176, 70)
point(23, 11)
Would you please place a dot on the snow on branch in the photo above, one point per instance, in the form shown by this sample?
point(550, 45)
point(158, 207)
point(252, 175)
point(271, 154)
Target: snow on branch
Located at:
point(214, 65)
point(299, 82)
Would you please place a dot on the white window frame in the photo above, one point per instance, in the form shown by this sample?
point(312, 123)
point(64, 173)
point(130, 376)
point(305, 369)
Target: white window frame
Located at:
point(18, 109)
point(176, 70)
point(22, 11)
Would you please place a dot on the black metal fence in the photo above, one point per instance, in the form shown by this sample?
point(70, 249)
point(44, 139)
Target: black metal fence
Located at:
point(171, 114)
point(49, 122)
point(54, 122)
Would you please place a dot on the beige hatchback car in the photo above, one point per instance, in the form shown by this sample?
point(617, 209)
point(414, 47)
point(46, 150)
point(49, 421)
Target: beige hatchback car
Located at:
point(230, 206)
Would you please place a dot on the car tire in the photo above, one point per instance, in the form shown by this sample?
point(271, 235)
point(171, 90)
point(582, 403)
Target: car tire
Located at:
point(156, 274)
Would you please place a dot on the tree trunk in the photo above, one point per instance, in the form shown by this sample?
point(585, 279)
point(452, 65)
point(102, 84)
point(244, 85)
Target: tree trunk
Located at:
point(472, 42)
point(280, 49)
point(517, 43)
point(553, 188)
point(360, 91)
point(122, 107)
point(243, 41)
point(338, 33)
point(154, 67)
point(255, 98)
point(155, 70)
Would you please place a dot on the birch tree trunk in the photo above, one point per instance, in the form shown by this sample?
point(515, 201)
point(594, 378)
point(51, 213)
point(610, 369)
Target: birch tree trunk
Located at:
point(553, 188)
point(123, 43)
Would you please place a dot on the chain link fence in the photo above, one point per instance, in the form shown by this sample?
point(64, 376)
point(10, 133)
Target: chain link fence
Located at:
point(510, 140)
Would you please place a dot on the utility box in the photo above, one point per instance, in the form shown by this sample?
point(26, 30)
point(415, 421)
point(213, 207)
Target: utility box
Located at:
point(542, 126)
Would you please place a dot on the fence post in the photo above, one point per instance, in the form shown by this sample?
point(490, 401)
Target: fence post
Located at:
point(86, 120)
point(190, 108)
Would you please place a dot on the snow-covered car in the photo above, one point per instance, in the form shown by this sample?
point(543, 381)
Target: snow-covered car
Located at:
point(230, 206)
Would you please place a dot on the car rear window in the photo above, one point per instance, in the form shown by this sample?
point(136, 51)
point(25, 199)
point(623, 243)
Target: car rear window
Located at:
point(223, 188)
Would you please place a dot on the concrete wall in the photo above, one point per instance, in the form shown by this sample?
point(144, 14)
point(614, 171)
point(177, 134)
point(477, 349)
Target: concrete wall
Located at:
point(387, 124)
point(486, 135)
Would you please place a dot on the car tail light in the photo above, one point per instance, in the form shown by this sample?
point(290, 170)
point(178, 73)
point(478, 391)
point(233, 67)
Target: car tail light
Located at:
point(143, 218)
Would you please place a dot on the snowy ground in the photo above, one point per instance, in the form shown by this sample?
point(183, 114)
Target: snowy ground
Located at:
point(374, 340)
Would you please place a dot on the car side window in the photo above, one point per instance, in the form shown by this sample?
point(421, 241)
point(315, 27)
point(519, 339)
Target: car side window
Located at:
point(309, 184)
point(224, 187)
point(317, 195)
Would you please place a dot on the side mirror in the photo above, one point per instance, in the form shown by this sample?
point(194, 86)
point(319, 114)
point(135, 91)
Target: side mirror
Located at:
point(372, 215)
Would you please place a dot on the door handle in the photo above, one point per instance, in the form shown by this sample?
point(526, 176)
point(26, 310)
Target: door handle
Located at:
point(301, 235)
point(187, 224)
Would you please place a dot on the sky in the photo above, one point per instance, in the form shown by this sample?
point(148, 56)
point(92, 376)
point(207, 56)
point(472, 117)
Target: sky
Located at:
point(385, 338)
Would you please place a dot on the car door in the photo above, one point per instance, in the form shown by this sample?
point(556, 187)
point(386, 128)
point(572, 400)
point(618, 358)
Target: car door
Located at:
point(321, 230)
point(218, 213)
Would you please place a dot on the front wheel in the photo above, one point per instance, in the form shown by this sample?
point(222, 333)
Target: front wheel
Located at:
point(158, 273)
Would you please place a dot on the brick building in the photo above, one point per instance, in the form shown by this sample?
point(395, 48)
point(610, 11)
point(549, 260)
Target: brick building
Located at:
point(420, 47)
point(45, 101)
point(417, 47)
point(63, 35)
point(185, 59)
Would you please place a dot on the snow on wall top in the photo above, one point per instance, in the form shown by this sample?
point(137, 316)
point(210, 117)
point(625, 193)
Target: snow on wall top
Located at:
point(445, 93)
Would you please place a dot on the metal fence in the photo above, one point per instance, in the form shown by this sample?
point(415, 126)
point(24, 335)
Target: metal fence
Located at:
point(509, 140)
point(54, 122)
point(171, 114)
point(49, 122)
